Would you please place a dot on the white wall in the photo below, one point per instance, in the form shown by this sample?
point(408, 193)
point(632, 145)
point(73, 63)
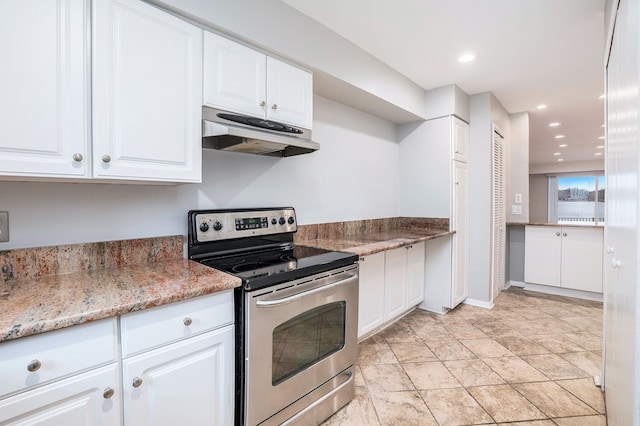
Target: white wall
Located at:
point(354, 175)
point(518, 166)
point(539, 199)
point(276, 27)
point(485, 110)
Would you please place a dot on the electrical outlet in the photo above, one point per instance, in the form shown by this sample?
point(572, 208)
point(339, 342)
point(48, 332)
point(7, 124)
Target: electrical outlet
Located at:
point(518, 198)
point(4, 227)
point(516, 209)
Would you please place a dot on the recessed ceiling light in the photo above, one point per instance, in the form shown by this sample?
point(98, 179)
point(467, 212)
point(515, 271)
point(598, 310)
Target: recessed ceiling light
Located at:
point(559, 136)
point(600, 137)
point(600, 146)
point(541, 106)
point(564, 145)
point(560, 159)
point(598, 153)
point(467, 57)
point(556, 124)
point(556, 153)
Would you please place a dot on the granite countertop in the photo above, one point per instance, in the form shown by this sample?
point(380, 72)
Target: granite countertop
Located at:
point(369, 238)
point(553, 224)
point(36, 304)
point(48, 288)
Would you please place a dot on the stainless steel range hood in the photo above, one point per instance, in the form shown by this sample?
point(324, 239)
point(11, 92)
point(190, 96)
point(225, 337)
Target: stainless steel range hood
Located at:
point(228, 131)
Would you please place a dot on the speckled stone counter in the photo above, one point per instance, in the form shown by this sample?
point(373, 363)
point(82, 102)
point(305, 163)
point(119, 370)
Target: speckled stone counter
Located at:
point(48, 288)
point(364, 237)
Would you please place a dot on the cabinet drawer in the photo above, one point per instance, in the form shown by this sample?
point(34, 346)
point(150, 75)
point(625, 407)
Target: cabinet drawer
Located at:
point(164, 324)
point(59, 353)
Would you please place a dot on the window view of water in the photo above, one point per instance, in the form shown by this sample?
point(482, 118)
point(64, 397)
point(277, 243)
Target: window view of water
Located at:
point(581, 200)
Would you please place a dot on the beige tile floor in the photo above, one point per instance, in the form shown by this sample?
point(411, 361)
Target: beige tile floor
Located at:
point(528, 361)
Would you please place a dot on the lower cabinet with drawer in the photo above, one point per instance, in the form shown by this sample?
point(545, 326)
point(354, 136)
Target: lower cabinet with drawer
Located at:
point(176, 367)
point(183, 370)
point(64, 377)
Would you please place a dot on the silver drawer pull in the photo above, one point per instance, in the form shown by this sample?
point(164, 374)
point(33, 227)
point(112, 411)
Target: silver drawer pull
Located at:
point(106, 158)
point(137, 381)
point(274, 107)
point(77, 157)
point(187, 321)
point(108, 393)
point(557, 234)
point(263, 103)
point(34, 365)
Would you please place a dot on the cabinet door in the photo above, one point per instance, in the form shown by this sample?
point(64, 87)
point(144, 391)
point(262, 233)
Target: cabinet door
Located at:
point(82, 400)
point(190, 382)
point(371, 293)
point(459, 290)
point(234, 76)
point(542, 255)
point(415, 274)
point(289, 94)
point(395, 283)
point(44, 88)
point(459, 139)
point(147, 93)
point(582, 259)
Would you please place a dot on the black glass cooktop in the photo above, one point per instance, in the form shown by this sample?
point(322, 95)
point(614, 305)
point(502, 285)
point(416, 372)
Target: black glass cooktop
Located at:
point(267, 267)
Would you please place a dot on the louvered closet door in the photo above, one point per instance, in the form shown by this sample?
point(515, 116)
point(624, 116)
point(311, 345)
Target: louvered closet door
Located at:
point(499, 217)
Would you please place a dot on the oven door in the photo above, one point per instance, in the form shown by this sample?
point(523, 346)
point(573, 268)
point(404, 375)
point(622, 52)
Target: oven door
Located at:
point(300, 335)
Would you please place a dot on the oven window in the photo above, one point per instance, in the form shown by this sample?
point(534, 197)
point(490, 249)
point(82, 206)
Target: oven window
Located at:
point(306, 339)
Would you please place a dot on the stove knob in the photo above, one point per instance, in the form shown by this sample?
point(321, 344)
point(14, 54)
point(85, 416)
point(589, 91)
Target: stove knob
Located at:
point(204, 227)
point(274, 221)
point(281, 221)
point(217, 225)
point(290, 220)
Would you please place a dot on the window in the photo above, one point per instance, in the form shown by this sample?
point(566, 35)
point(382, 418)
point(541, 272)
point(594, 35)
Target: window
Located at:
point(577, 199)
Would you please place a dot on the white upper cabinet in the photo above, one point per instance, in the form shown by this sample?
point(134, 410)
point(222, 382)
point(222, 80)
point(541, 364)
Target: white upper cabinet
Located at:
point(459, 139)
point(44, 86)
point(289, 94)
point(234, 76)
point(147, 94)
point(240, 79)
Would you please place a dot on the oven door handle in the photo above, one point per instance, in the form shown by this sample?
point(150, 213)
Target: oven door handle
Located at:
point(289, 299)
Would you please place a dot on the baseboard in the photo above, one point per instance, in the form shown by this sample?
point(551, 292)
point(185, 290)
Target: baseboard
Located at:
point(512, 283)
point(559, 291)
point(478, 303)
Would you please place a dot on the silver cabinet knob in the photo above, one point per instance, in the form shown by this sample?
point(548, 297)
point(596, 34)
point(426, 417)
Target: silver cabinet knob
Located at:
point(362, 259)
point(34, 365)
point(610, 250)
point(263, 104)
point(557, 234)
point(274, 107)
point(564, 234)
point(615, 264)
point(187, 321)
point(137, 381)
point(106, 158)
point(108, 393)
point(77, 157)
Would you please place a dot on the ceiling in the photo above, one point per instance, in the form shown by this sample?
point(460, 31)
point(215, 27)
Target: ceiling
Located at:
point(527, 52)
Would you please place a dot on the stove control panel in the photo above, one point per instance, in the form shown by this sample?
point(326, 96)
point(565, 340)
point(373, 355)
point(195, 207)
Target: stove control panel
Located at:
point(215, 225)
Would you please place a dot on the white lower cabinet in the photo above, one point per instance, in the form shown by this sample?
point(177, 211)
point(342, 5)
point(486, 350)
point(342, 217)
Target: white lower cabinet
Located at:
point(444, 287)
point(87, 399)
point(181, 370)
point(65, 377)
point(564, 256)
point(371, 293)
point(188, 382)
point(395, 283)
point(391, 283)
